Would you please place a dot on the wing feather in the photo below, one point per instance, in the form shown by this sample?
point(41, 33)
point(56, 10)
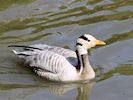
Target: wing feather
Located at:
point(48, 60)
point(68, 54)
point(62, 51)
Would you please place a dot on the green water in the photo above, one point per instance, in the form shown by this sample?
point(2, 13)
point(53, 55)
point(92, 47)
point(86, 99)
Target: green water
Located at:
point(59, 23)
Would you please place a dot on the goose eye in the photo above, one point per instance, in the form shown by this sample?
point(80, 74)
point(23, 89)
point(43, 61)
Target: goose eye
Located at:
point(84, 38)
point(88, 40)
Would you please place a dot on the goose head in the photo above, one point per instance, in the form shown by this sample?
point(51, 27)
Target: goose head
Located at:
point(87, 41)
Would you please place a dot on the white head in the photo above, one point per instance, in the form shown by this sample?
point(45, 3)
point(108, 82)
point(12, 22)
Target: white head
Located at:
point(87, 41)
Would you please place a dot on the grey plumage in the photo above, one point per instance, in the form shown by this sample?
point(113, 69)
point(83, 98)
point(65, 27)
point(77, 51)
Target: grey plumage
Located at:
point(68, 54)
point(46, 59)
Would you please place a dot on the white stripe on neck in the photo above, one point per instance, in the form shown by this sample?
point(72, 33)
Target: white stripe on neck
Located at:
point(81, 50)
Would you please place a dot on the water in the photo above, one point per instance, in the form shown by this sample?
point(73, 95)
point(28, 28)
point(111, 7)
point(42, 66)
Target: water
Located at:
point(60, 22)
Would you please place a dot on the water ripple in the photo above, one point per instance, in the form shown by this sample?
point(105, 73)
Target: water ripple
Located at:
point(80, 15)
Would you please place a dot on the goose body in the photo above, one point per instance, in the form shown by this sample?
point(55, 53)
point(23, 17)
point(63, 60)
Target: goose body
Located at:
point(60, 64)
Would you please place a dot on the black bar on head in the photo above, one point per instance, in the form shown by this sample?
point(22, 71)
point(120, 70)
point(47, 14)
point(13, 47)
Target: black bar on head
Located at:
point(79, 44)
point(84, 38)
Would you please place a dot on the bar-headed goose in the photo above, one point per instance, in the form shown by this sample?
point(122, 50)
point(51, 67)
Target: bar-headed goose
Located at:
point(60, 64)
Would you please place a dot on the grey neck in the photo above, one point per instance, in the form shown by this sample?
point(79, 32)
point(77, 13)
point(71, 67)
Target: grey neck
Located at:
point(87, 72)
point(83, 60)
point(84, 67)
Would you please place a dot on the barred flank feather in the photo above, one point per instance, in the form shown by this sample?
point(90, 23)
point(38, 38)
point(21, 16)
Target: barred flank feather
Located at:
point(49, 60)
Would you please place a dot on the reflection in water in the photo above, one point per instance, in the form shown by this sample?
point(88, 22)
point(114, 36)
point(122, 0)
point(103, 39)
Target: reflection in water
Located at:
point(84, 91)
point(21, 92)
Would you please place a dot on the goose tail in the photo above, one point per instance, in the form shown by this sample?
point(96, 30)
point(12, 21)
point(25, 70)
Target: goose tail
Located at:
point(25, 47)
point(22, 54)
point(24, 51)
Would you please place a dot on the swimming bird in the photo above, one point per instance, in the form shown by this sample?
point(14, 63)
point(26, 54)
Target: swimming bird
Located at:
point(60, 64)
